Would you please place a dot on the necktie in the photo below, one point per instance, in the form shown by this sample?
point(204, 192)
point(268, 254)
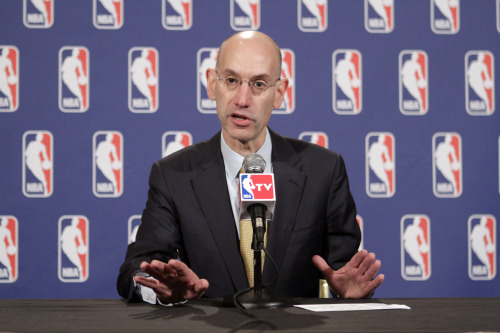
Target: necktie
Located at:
point(246, 236)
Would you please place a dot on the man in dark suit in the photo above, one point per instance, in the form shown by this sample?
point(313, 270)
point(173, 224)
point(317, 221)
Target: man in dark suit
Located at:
point(191, 212)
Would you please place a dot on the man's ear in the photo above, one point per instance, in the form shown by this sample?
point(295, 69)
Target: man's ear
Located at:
point(211, 80)
point(281, 87)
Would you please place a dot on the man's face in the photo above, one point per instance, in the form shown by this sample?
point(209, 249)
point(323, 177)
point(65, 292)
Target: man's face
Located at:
point(243, 115)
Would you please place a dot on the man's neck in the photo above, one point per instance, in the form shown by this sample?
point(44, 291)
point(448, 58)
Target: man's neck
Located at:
point(244, 148)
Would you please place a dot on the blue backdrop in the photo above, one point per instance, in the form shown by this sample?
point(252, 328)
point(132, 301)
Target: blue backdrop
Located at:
point(92, 92)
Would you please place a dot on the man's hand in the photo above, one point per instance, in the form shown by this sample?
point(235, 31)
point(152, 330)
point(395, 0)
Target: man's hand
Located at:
point(174, 282)
point(356, 279)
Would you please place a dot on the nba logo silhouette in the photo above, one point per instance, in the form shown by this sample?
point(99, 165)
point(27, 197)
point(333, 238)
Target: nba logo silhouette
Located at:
point(133, 225)
point(379, 16)
point(9, 78)
point(347, 86)
point(498, 15)
point(312, 15)
point(482, 247)
point(108, 14)
point(319, 138)
point(257, 186)
point(445, 16)
point(173, 141)
point(413, 82)
point(38, 164)
point(8, 249)
point(447, 165)
point(107, 164)
point(359, 219)
point(73, 79)
point(206, 58)
point(245, 14)
point(38, 13)
point(143, 77)
point(287, 71)
point(415, 247)
point(73, 249)
point(479, 83)
point(380, 165)
point(177, 14)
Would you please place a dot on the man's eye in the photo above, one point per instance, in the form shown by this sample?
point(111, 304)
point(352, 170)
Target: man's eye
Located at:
point(231, 80)
point(259, 84)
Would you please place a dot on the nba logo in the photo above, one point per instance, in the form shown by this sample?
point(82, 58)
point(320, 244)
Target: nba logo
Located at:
point(8, 249)
point(245, 14)
point(413, 82)
point(255, 186)
point(380, 165)
point(415, 247)
point(498, 15)
point(74, 79)
point(359, 219)
point(379, 16)
point(143, 77)
point(479, 83)
point(9, 78)
point(38, 164)
point(38, 13)
point(312, 15)
point(133, 225)
point(107, 164)
point(206, 58)
point(108, 14)
point(346, 68)
point(73, 252)
point(319, 138)
point(287, 71)
point(173, 141)
point(447, 165)
point(482, 247)
point(177, 14)
point(445, 16)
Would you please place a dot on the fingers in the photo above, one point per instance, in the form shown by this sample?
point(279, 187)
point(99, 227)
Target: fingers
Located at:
point(321, 265)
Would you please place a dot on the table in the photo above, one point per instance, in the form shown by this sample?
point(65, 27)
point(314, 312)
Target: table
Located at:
point(208, 315)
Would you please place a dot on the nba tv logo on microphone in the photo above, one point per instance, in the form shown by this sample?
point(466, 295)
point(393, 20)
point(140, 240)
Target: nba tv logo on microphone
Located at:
point(257, 188)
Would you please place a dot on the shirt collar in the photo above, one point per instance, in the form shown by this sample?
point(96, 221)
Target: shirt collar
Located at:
point(233, 160)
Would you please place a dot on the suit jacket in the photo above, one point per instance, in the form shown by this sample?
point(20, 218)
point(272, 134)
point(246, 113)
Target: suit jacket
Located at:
point(188, 215)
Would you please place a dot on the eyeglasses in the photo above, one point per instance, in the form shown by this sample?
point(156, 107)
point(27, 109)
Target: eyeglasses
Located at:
point(257, 86)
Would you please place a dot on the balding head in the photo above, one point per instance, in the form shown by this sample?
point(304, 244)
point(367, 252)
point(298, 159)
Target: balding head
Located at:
point(248, 38)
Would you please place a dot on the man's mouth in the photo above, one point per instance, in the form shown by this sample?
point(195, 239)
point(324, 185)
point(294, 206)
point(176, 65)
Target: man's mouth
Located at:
point(240, 120)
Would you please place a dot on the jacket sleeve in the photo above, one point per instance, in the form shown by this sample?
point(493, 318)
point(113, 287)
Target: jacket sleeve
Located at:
point(343, 232)
point(158, 236)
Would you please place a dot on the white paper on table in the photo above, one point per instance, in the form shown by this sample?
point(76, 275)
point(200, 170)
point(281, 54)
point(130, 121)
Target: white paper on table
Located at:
point(352, 307)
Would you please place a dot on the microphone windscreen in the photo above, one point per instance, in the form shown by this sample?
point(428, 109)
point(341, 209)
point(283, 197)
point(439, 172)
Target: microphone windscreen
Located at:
point(254, 163)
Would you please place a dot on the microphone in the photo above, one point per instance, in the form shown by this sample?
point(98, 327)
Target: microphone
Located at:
point(257, 195)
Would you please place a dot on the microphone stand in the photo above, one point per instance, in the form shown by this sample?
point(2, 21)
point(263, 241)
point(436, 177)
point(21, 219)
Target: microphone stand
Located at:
point(259, 298)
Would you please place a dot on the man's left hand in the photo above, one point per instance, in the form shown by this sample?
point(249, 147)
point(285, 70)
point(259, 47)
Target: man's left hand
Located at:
point(356, 279)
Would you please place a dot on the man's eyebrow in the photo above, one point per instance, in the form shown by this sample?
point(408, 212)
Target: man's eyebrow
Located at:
point(255, 77)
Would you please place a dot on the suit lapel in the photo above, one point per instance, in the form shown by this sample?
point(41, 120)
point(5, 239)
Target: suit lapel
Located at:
point(289, 184)
point(210, 187)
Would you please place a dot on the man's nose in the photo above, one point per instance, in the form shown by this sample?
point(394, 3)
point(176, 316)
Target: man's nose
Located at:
point(244, 94)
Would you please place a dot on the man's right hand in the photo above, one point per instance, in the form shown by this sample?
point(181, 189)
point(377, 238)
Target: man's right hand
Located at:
point(173, 282)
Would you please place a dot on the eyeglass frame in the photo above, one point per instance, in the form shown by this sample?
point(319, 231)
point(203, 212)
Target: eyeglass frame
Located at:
point(251, 83)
